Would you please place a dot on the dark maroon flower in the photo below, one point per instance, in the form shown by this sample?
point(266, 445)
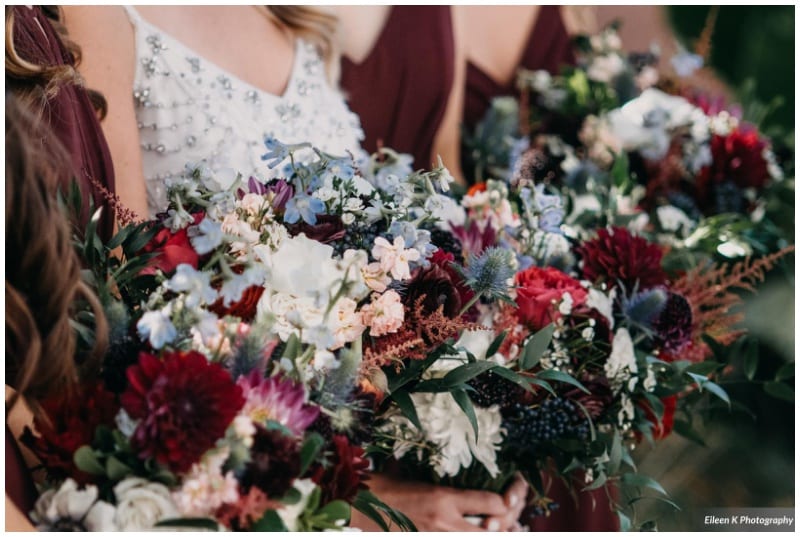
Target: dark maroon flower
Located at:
point(616, 256)
point(345, 475)
point(738, 158)
point(183, 403)
point(674, 326)
point(599, 398)
point(329, 228)
point(435, 285)
point(274, 462)
point(173, 247)
point(444, 260)
point(539, 293)
point(71, 423)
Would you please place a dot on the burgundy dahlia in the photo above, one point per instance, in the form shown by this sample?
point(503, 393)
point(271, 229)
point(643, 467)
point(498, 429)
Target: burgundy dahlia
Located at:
point(674, 326)
point(274, 462)
point(346, 475)
point(616, 256)
point(71, 423)
point(183, 403)
point(444, 260)
point(329, 228)
point(435, 287)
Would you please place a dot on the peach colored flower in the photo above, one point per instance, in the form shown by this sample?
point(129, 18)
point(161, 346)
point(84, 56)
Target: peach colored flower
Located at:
point(385, 314)
point(394, 257)
point(375, 277)
point(349, 322)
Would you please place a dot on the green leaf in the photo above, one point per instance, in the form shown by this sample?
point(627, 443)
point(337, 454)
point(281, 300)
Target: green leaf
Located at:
point(519, 380)
point(649, 525)
point(269, 522)
point(599, 481)
point(367, 498)
point(655, 498)
point(335, 511)
point(751, 360)
point(536, 347)
point(615, 454)
point(639, 480)
point(463, 400)
point(199, 523)
point(495, 346)
point(785, 372)
point(700, 380)
point(560, 376)
point(293, 348)
point(717, 347)
point(406, 406)
point(624, 521)
point(116, 470)
point(780, 390)
point(367, 509)
point(717, 390)
point(685, 429)
point(466, 372)
point(543, 384)
point(86, 461)
point(311, 447)
point(703, 368)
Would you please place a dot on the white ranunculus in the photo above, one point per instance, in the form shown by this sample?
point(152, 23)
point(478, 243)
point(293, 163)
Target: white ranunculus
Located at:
point(71, 507)
point(302, 267)
point(142, 503)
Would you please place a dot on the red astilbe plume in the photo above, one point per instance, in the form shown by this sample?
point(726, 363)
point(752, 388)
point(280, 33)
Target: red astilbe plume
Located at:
point(69, 422)
point(346, 474)
point(183, 403)
point(709, 292)
point(618, 256)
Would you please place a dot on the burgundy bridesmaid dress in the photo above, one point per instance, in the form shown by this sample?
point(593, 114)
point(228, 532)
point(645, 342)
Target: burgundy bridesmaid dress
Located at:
point(19, 485)
point(69, 113)
point(400, 90)
point(548, 47)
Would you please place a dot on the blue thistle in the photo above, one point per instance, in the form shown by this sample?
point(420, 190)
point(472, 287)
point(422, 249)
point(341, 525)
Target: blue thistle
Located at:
point(643, 309)
point(488, 273)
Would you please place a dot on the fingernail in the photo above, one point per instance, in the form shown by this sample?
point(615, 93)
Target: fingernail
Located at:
point(512, 500)
point(494, 525)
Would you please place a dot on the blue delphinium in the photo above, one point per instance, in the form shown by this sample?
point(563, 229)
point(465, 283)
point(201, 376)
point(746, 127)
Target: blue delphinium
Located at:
point(546, 207)
point(305, 207)
point(419, 239)
point(276, 153)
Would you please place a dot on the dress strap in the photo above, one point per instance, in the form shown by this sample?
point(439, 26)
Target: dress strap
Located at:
point(133, 16)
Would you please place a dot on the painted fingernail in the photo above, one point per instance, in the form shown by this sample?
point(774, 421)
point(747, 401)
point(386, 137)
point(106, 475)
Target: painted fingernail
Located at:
point(512, 500)
point(494, 525)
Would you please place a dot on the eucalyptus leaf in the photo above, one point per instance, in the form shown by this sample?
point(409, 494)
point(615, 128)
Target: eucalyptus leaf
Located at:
point(685, 429)
point(462, 398)
point(495, 346)
point(311, 447)
point(598, 482)
point(517, 379)
point(86, 461)
point(780, 390)
point(717, 390)
point(785, 372)
point(466, 372)
point(751, 360)
point(406, 406)
point(704, 368)
point(536, 347)
point(624, 521)
point(116, 470)
point(615, 454)
point(639, 480)
point(196, 523)
point(560, 376)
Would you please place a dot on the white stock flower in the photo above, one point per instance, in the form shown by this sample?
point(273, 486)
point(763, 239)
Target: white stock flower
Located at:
point(194, 284)
point(157, 328)
point(69, 508)
point(673, 219)
point(621, 366)
point(446, 210)
point(141, 504)
point(394, 257)
point(205, 488)
point(291, 513)
point(602, 302)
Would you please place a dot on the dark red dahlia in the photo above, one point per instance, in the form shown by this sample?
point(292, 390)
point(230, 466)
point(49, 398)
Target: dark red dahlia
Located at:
point(274, 462)
point(329, 228)
point(435, 287)
point(173, 247)
point(539, 292)
point(738, 159)
point(346, 474)
point(444, 260)
point(72, 424)
point(616, 256)
point(184, 404)
point(599, 398)
point(674, 326)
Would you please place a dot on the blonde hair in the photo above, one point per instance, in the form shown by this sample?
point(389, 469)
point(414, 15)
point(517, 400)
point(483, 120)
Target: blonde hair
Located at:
point(315, 26)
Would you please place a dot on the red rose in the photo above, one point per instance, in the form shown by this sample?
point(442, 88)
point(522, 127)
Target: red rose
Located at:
point(539, 288)
point(183, 403)
point(71, 423)
point(174, 249)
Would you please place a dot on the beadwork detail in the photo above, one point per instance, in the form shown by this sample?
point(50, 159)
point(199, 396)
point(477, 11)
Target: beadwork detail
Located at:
point(188, 109)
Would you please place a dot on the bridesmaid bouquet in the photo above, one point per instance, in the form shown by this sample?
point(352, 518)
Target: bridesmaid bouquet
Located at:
point(633, 212)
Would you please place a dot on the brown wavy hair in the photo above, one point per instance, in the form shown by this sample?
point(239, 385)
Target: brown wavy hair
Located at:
point(315, 26)
point(43, 281)
point(35, 84)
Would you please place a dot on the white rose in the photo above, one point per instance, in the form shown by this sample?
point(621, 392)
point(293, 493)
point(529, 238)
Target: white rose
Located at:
point(141, 504)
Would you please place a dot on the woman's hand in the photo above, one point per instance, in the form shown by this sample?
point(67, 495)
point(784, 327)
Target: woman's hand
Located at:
point(435, 508)
point(514, 499)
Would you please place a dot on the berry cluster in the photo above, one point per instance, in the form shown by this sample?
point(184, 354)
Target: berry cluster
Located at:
point(528, 429)
point(492, 389)
point(446, 241)
point(359, 237)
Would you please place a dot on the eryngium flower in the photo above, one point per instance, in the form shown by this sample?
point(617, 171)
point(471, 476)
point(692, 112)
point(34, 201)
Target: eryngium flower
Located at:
point(488, 273)
point(277, 399)
point(616, 256)
point(183, 404)
point(674, 326)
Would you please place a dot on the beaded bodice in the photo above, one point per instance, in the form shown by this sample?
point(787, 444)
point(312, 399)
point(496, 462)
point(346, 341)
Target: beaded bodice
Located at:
point(189, 109)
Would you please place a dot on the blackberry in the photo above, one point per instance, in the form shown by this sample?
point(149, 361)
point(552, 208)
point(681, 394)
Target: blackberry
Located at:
point(359, 237)
point(728, 198)
point(492, 389)
point(529, 429)
point(446, 241)
point(122, 353)
point(685, 203)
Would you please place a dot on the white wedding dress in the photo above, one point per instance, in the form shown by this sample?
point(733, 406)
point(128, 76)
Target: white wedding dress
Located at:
point(189, 109)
